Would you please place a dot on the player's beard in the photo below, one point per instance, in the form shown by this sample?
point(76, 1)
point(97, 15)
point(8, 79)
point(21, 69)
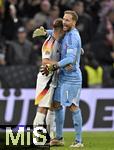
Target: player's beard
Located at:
point(66, 28)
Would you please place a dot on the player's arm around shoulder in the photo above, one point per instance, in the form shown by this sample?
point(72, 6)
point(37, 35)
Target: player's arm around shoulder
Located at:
point(72, 44)
point(72, 40)
point(41, 32)
point(48, 61)
point(70, 48)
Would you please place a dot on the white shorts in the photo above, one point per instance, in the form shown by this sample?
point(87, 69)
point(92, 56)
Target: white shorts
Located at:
point(44, 98)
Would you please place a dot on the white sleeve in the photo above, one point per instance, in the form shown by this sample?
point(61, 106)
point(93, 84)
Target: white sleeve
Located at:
point(46, 54)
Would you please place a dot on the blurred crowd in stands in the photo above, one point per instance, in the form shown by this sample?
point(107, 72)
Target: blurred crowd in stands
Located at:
point(19, 18)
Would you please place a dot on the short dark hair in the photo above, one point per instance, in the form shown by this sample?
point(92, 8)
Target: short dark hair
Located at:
point(58, 23)
point(73, 13)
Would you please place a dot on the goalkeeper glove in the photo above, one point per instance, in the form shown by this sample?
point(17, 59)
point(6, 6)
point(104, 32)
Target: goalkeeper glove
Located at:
point(47, 69)
point(39, 32)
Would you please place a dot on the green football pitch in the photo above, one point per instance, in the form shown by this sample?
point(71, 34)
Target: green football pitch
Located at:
point(91, 140)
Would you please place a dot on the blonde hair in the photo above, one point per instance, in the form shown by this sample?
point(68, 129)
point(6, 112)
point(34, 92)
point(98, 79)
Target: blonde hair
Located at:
point(73, 13)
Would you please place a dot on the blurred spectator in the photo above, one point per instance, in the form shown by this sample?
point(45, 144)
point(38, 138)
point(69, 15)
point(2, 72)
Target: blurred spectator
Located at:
point(28, 8)
point(94, 72)
point(14, 2)
point(30, 27)
point(95, 24)
point(93, 8)
point(2, 55)
point(63, 5)
point(84, 23)
point(41, 17)
point(37, 42)
point(103, 43)
point(105, 5)
point(19, 51)
point(10, 23)
point(22, 8)
point(7, 4)
point(1, 8)
point(54, 14)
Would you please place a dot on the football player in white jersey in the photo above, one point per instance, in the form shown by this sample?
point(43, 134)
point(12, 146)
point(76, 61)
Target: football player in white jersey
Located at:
point(46, 84)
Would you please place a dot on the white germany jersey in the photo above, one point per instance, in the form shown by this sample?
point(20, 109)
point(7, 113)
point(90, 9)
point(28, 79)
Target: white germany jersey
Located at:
point(50, 50)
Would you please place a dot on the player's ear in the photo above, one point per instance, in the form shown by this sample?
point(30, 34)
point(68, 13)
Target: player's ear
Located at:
point(74, 23)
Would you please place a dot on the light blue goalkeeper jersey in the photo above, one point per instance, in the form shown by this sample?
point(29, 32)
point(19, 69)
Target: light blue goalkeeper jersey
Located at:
point(70, 54)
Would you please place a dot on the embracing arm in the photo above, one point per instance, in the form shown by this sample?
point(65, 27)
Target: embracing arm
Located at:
point(41, 32)
point(66, 61)
point(48, 61)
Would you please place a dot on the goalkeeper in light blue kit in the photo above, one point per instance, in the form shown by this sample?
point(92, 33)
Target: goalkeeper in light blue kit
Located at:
point(69, 86)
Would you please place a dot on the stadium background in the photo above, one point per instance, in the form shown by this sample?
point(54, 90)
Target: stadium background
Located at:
point(20, 58)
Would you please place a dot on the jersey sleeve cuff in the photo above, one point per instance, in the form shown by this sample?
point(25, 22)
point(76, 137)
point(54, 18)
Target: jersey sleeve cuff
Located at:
point(59, 64)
